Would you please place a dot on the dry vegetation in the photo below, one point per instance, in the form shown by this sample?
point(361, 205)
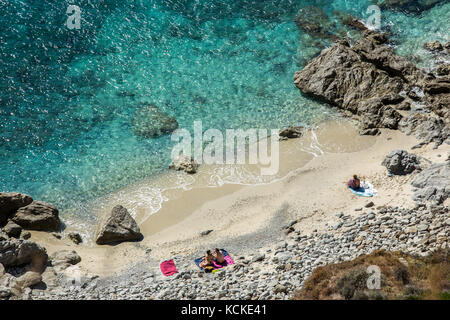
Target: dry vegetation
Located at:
point(402, 277)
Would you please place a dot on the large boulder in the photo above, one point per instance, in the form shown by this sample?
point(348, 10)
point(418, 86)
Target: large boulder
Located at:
point(433, 183)
point(38, 216)
point(10, 202)
point(400, 162)
point(150, 122)
point(119, 226)
point(368, 81)
point(15, 252)
point(184, 163)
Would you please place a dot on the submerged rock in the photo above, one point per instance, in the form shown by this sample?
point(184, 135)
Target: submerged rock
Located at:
point(10, 202)
point(119, 227)
point(150, 122)
point(184, 163)
point(400, 162)
point(414, 6)
point(38, 215)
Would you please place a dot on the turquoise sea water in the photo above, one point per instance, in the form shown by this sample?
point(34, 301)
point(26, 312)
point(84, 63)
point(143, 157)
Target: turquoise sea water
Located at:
point(67, 96)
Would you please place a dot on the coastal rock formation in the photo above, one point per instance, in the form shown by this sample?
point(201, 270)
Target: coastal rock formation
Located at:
point(38, 215)
point(150, 122)
point(184, 163)
point(400, 162)
point(433, 183)
point(291, 132)
point(119, 226)
point(371, 82)
point(15, 252)
point(10, 202)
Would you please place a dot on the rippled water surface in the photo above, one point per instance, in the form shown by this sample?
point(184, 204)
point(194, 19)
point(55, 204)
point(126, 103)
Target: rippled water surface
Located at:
point(67, 96)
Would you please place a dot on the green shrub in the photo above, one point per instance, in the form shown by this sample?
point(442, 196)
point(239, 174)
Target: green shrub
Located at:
point(352, 281)
point(402, 274)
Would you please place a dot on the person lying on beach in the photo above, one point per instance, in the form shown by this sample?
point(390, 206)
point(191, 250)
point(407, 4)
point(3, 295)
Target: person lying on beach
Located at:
point(218, 255)
point(354, 183)
point(207, 260)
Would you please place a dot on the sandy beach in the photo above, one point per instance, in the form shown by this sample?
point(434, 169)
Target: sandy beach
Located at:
point(311, 188)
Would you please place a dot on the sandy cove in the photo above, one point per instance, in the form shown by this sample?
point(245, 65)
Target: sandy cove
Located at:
point(248, 218)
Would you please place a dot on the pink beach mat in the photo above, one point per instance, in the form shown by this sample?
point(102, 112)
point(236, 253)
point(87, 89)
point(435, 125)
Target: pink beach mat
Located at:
point(168, 268)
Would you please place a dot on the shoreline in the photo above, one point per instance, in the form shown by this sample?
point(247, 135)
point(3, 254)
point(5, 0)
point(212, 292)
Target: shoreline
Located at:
point(234, 211)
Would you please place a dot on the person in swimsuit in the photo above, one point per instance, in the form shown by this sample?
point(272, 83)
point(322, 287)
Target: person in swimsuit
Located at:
point(354, 183)
point(218, 255)
point(207, 260)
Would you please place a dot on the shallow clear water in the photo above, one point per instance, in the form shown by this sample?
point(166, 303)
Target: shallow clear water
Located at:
point(67, 96)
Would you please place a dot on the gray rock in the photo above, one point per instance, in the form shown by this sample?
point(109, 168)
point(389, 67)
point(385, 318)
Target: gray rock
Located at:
point(400, 162)
point(75, 237)
point(150, 122)
point(37, 216)
point(291, 132)
point(433, 46)
point(205, 233)
point(65, 258)
point(15, 252)
point(119, 226)
point(10, 202)
point(26, 235)
point(12, 229)
point(433, 183)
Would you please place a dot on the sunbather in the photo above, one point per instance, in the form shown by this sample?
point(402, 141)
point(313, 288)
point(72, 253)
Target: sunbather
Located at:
point(207, 260)
point(218, 255)
point(354, 183)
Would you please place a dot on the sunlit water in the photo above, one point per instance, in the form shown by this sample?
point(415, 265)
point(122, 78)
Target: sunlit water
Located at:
point(67, 96)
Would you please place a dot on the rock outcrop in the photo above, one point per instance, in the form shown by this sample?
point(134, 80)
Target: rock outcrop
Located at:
point(10, 202)
point(369, 81)
point(184, 163)
point(150, 122)
point(433, 183)
point(119, 227)
point(15, 252)
point(400, 162)
point(37, 216)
